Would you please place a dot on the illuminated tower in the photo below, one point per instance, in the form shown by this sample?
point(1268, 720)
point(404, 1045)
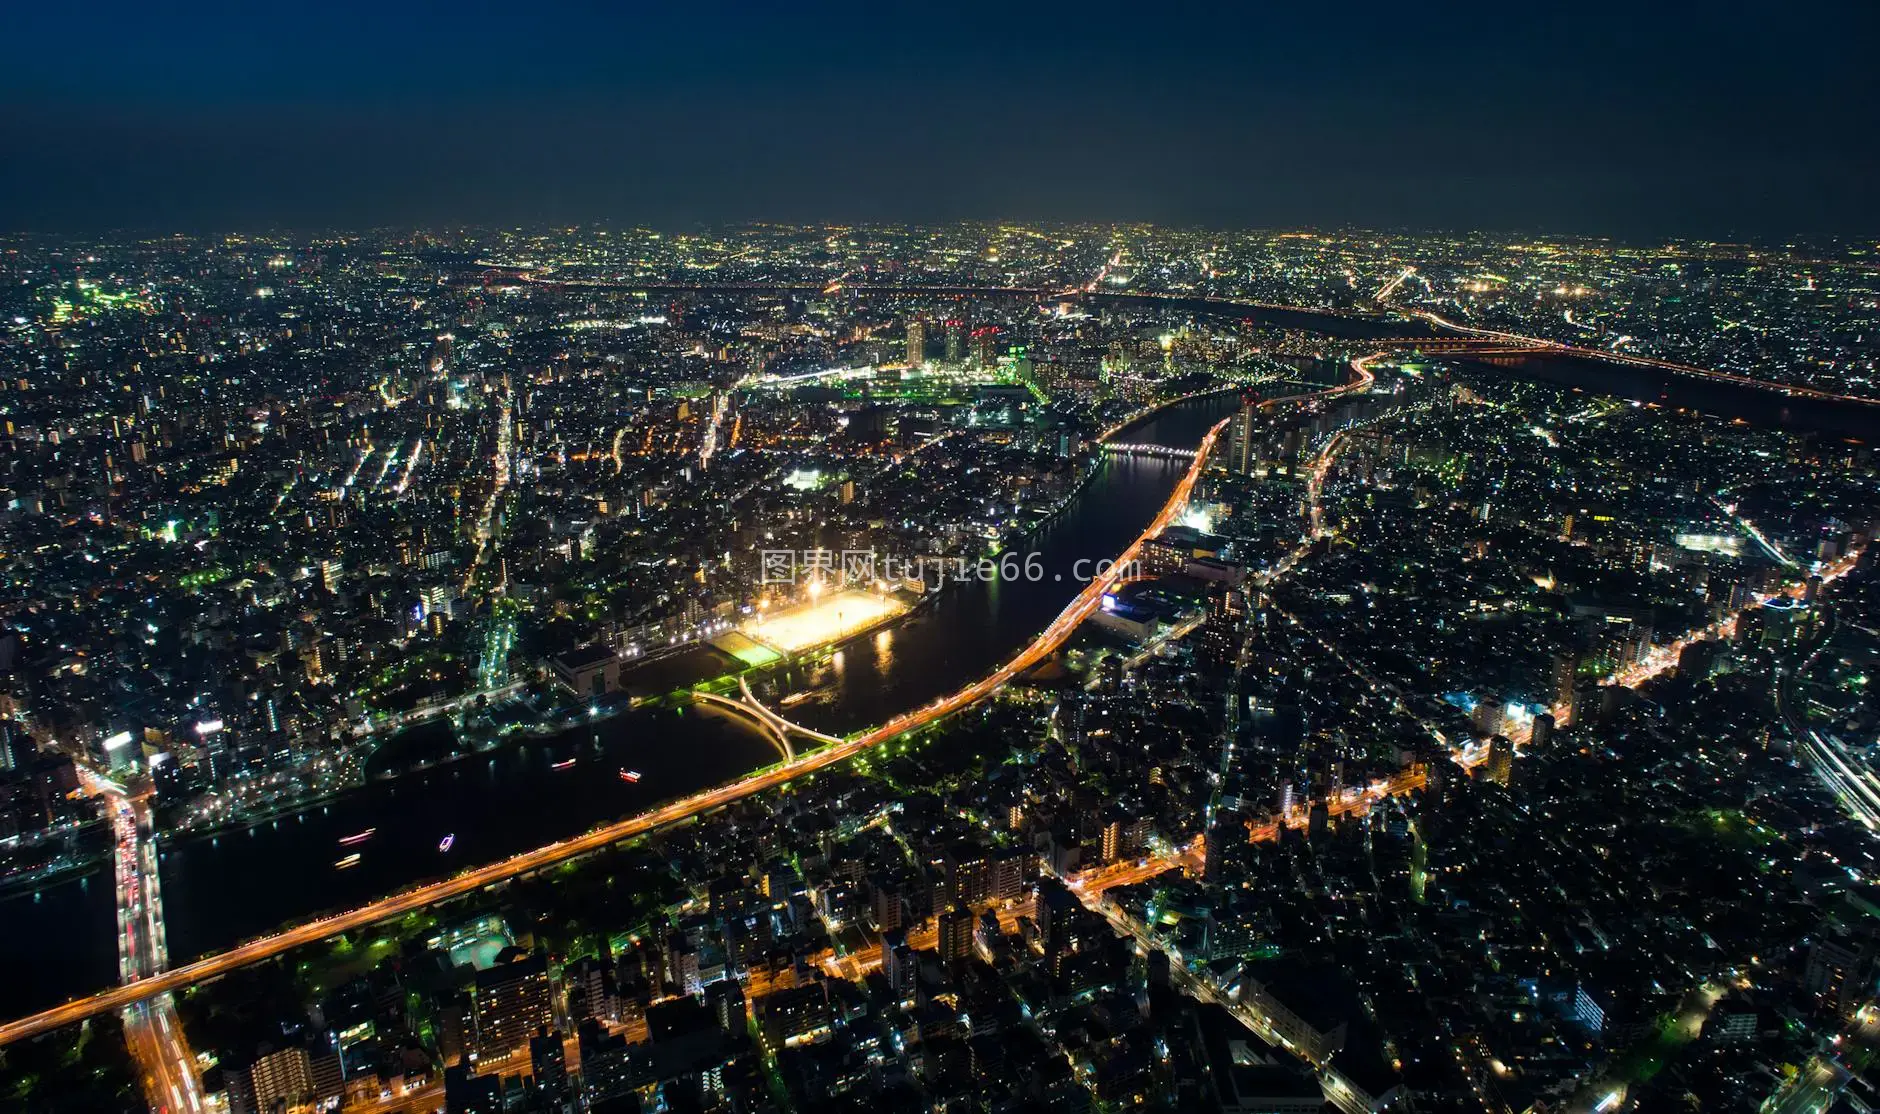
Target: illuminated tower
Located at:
point(1500, 764)
point(511, 1002)
point(982, 345)
point(955, 935)
point(956, 341)
point(1566, 676)
point(916, 341)
point(1242, 436)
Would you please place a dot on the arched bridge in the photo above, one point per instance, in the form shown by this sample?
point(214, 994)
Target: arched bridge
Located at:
point(775, 728)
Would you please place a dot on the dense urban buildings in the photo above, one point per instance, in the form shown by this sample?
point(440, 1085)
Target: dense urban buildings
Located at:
point(974, 667)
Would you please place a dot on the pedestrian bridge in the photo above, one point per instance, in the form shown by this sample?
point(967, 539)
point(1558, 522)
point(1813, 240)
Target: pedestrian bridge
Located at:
point(781, 732)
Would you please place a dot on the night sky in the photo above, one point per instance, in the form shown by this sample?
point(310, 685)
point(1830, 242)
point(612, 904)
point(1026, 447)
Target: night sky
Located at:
point(1639, 119)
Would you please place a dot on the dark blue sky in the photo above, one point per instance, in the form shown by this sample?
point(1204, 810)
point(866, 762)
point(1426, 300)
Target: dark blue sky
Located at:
point(1637, 119)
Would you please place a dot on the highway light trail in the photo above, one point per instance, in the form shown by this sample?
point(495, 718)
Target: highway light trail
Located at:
point(721, 406)
point(353, 476)
point(385, 469)
point(1391, 286)
point(500, 464)
point(1757, 536)
point(152, 1031)
point(411, 467)
point(1855, 788)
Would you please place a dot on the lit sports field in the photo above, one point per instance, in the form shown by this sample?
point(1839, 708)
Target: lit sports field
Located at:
point(825, 620)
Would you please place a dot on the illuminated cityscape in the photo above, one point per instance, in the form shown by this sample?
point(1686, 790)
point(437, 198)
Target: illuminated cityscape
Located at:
point(677, 661)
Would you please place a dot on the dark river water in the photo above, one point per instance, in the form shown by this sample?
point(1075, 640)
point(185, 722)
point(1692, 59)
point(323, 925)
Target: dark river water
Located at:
point(59, 942)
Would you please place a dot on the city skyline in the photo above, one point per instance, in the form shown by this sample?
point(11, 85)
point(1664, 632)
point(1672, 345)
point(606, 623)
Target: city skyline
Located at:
point(1268, 621)
point(889, 559)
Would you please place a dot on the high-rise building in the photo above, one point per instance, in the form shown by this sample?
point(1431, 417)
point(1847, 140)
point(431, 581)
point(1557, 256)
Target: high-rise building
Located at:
point(955, 935)
point(9, 736)
point(1009, 876)
point(465, 1093)
point(606, 1066)
point(887, 905)
point(916, 342)
point(1242, 433)
point(433, 599)
point(1587, 1009)
point(1500, 764)
point(897, 962)
point(1840, 969)
point(1055, 910)
point(725, 999)
point(1110, 841)
point(511, 1002)
point(590, 993)
point(974, 878)
point(1786, 622)
point(1566, 675)
point(982, 346)
point(1490, 715)
point(284, 1076)
point(986, 932)
point(548, 1064)
point(682, 969)
point(1733, 1024)
point(329, 1073)
point(1121, 836)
